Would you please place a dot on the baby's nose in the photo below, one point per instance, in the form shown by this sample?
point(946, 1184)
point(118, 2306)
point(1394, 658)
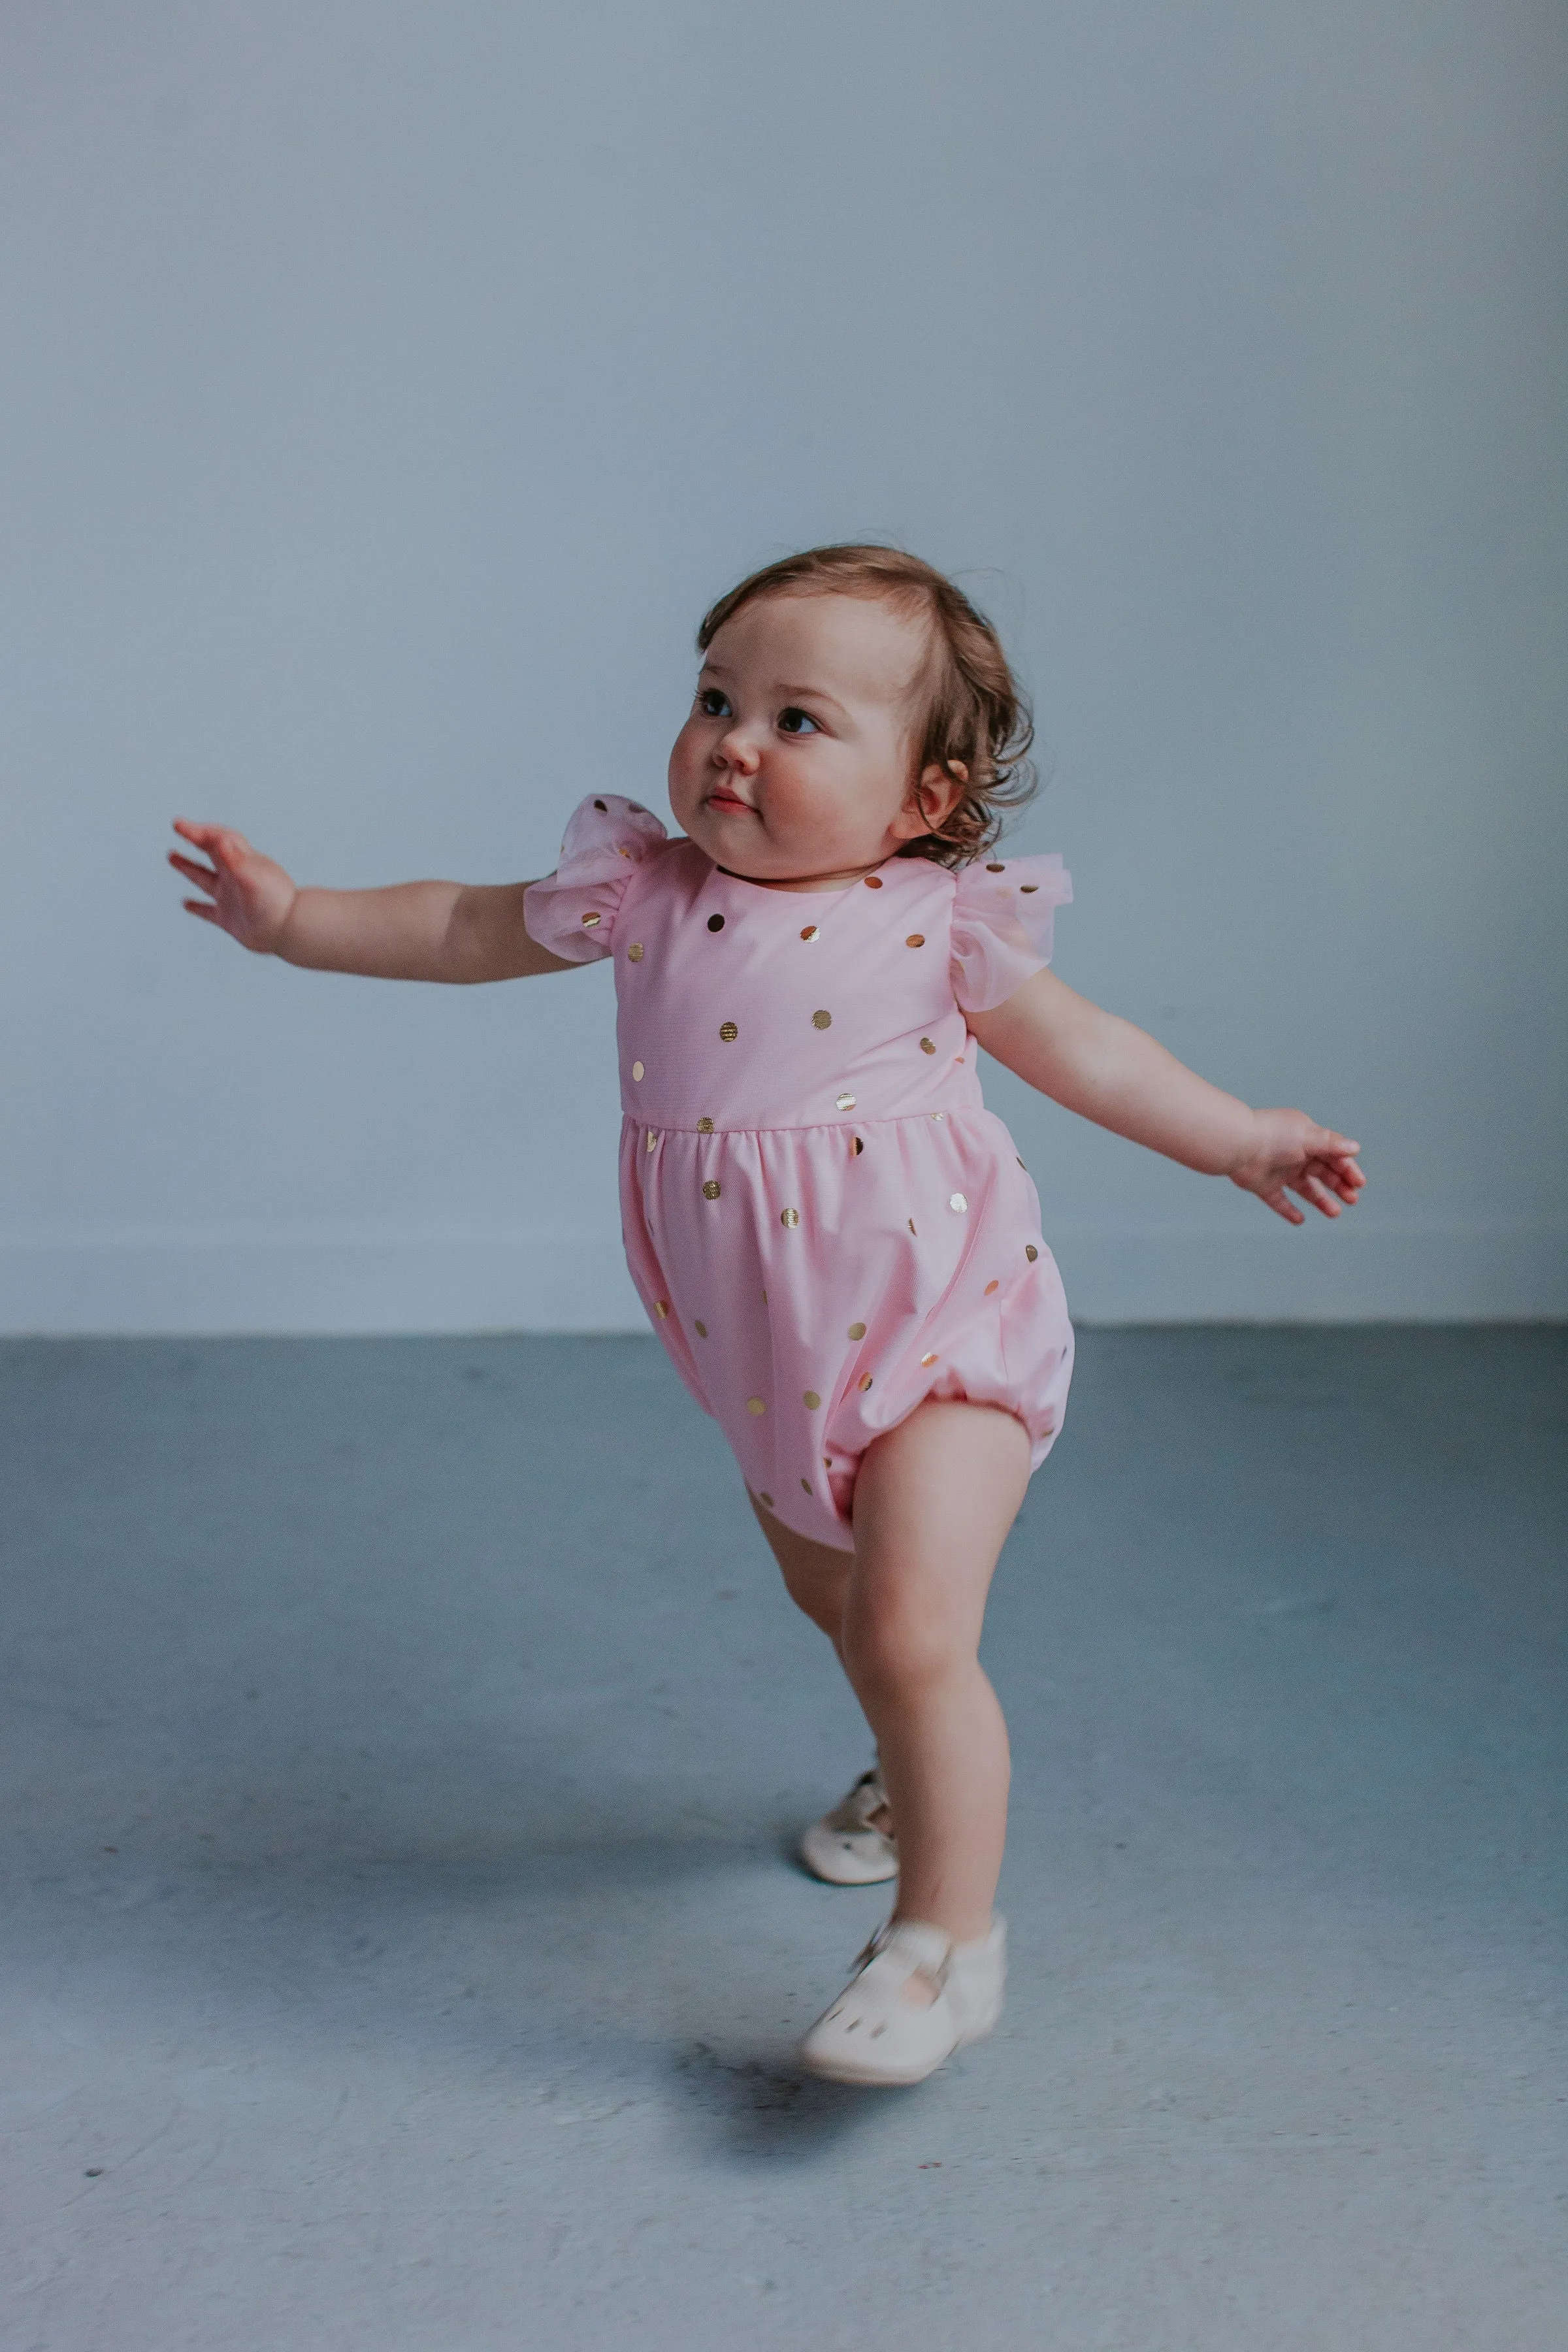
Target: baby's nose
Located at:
point(737, 751)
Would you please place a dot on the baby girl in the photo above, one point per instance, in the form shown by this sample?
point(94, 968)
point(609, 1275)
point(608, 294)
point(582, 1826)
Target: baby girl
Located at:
point(837, 1243)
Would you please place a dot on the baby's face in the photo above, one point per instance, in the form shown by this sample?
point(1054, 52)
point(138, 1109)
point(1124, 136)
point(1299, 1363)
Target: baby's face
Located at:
point(796, 766)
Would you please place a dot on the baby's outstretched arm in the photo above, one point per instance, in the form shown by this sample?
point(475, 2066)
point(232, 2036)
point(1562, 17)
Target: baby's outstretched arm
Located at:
point(415, 930)
point(1104, 1069)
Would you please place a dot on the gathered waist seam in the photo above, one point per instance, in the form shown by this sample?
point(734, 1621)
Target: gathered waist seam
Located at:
point(844, 1125)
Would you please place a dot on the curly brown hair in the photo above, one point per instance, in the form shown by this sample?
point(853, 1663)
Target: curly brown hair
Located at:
point(972, 710)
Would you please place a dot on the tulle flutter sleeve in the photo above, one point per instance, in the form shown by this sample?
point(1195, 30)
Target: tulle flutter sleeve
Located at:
point(573, 912)
point(1001, 917)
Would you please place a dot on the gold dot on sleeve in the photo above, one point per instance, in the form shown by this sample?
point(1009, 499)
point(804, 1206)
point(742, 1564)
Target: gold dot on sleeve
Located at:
point(763, 1497)
point(911, 1223)
point(916, 939)
point(845, 1101)
point(811, 1400)
point(1030, 1252)
point(811, 932)
point(992, 1286)
point(1028, 889)
point(710, 1191)
point(592, 922)
point(865, 1383)
point(704, 1126)
point(957, 1203)
point(859, 1146)
point(652, 1140)
point(873, 881)
point(927, 1046)
point(602, 806)
point(715, 922)
point(727, 1031)
point(857, 1331)
point(996, 869)
point(756, 1405)
point(635, 953)
point(636, 1069)
point(701, 1329)
point(926, 1361)
point(822, 1019)
point(789, 1219)
point(661, 1307)
point(807, 1484)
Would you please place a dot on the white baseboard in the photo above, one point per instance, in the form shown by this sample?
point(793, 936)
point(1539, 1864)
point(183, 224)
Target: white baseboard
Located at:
point(574, 1280)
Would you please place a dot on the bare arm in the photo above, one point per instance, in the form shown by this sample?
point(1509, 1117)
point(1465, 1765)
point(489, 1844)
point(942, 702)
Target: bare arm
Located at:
point(414, 931)
point(1093, 1063)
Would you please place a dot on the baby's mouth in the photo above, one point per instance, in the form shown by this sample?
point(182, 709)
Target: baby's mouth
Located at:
point(727, 802)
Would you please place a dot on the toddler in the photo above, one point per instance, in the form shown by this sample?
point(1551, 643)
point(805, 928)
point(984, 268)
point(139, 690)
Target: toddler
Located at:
point(836, 1242)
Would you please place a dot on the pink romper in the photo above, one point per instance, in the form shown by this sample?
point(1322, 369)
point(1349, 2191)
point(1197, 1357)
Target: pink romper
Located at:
point(825, 1224)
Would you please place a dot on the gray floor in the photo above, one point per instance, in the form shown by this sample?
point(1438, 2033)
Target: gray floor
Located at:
point(402, 1948)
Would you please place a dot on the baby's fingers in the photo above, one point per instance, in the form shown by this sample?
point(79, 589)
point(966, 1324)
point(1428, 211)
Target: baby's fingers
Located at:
point(202, 876)
point(198, 906)
point(1282, 1205)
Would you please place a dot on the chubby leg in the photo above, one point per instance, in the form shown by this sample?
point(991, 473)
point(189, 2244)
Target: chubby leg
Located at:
point(817, 1576)
point(933, 1503)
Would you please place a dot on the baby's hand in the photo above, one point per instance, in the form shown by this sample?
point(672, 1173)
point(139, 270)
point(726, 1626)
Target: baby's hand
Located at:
point(247, 895)
point(1291, 1153)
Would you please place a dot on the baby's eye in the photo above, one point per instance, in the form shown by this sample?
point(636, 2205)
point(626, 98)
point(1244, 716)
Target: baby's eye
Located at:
point(797, 723)
point(712, 703)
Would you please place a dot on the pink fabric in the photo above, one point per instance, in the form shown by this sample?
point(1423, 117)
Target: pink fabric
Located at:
point(805, 1150)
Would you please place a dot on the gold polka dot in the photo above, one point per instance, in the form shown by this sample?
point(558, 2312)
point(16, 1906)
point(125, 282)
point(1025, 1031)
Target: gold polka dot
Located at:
point(755, 1404)
point(873, 881)
point(661, 1307)
point(704, 1126)
point(715, 922)
point(857, 1331)
point(989, 1289)
point(822, 1019)
point(592, 922)
point(811, 932)
point(1030, 1252)
point(1020, 1163)
point(727, 1031)
point(957, 1202)
point(916, 939)
point(1028, 889)
point(621, 850)
point(938, 1114)
point(928, 1361)
point(912, 1228)
point(865, 1383)
point(827, 1461)
point(805, 1483)
point(636, 1069)
point(710, 1190)
point(844, 1102)
point(927, 1046)
point(811, 1400)
point(996, 869)
point(635, 953)
point(859, 1146)
point(789, 1218)
point(700, 1329)
point(765, 1298)
point(601, 804)
point(652, 1140)
point(763, 1497)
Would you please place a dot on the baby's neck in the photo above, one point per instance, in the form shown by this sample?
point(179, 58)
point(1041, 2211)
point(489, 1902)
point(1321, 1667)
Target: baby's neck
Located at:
point(808, 883)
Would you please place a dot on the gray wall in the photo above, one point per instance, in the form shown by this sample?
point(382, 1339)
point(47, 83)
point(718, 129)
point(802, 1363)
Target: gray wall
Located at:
point(388, 388)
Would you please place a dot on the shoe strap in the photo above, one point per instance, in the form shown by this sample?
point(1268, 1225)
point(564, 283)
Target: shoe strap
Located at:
point(913, 1946)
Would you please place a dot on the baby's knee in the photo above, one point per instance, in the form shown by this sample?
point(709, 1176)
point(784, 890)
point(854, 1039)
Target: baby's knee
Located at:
point(893, 1649)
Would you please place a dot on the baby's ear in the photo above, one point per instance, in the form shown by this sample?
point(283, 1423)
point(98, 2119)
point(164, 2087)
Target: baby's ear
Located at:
point(933, 796)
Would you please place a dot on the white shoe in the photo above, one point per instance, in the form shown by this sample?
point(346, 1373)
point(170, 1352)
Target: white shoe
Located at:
point(844, 1847)
point(873, 2034)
